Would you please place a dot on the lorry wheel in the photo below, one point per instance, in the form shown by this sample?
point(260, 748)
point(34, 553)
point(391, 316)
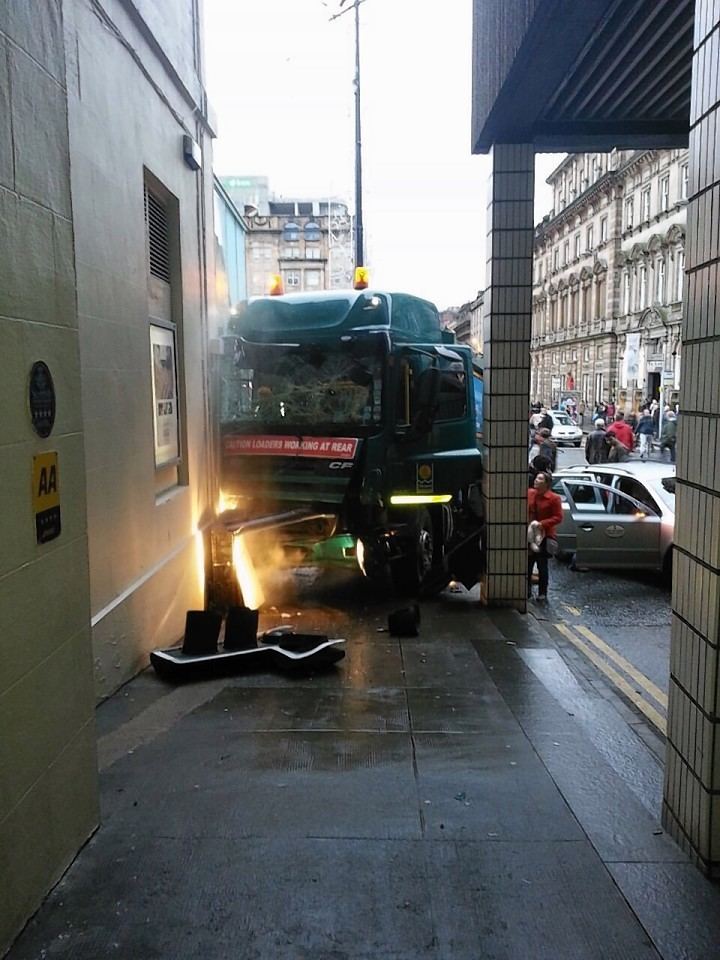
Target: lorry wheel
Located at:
point(410, 571)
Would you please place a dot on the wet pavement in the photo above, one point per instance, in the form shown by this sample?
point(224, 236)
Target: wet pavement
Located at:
point(464, 794)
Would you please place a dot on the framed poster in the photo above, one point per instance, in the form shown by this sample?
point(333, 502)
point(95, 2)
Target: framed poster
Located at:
point(164, 391)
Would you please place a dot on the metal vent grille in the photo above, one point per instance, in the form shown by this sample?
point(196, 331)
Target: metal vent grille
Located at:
point(158, 237)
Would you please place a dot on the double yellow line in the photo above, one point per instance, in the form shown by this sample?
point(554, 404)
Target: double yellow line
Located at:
point(590, 650)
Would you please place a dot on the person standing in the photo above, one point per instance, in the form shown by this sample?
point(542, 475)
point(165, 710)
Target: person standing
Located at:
point(548, 448)
point(596, 445)
point(619, 453)
point(610, 408)
point(545, 508)
point(644, 431)
point(668, 437)
point(546, 421)
point(623, 431)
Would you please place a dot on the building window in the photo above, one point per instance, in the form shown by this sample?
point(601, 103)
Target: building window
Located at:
point(291, 233)
point(680, 278)
point(162, 237)
point(573, 356)
point(589, 239)
point(599, 353)
point(292, 278)
point(313, 253)
point(313, 279)
point(586, 354)
point(684, 182)
point(556, 258)
point(629, 213)
point(563, 357)
point(290, 253)
point(665, 193)
point(603, 229)
point(312, 231)
point(660, 281)
point(577, 245)
point(642, 291)
point(626, 293)
point(566, 252)
point(645, 205)
point(595, 169)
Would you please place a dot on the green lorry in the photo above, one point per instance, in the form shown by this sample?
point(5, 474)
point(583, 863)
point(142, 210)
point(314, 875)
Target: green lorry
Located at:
point(350, 425)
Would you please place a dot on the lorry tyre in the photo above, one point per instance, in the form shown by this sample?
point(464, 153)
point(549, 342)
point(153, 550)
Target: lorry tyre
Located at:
point(410, 571)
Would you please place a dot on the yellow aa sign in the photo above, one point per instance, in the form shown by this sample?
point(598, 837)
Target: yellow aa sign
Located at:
point(46, 491)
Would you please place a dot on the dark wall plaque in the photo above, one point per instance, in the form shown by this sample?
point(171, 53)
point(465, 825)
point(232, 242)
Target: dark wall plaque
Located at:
point(41, 394)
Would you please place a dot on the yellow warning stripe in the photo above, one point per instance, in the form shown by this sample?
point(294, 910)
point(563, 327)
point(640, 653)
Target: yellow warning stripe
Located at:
point(620, 682)
point(655, 692)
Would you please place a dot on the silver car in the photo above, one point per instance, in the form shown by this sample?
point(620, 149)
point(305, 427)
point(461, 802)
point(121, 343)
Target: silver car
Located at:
point(618, 515)
point(564, 430)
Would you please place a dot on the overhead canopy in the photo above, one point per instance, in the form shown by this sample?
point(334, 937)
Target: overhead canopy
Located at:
point(577, 75)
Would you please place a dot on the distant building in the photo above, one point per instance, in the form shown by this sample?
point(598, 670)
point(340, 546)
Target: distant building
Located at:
point(307, 242)
point(609, 268)
point(466, 322)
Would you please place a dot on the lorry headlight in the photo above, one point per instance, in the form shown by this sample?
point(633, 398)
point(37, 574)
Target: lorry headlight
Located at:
point(360, 554)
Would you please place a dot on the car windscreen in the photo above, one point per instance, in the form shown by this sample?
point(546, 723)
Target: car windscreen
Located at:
point(562, 419)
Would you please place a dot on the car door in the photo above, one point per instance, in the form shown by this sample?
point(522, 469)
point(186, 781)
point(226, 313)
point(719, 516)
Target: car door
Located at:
point(588, 498)
point(624, 534)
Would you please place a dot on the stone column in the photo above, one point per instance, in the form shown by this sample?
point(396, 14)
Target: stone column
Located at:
point(507, 327)
point(691, 805)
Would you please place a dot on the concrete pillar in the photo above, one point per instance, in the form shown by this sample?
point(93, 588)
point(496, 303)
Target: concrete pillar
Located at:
point(691, 807)
point(507, 328)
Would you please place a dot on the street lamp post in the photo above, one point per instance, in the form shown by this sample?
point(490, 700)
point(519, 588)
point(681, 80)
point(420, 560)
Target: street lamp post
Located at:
point(358, 232)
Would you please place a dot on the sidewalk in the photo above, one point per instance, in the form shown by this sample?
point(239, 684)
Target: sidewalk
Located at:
point(459, 795)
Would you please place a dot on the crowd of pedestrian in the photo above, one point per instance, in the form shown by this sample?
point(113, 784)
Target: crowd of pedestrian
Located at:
point(613, 439)
point(618, 440)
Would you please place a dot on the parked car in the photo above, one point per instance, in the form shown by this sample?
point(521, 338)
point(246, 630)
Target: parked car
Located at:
point(564, 430)
point(619, 516)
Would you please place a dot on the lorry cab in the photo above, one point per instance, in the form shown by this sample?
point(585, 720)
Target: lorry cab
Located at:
point(355, 405)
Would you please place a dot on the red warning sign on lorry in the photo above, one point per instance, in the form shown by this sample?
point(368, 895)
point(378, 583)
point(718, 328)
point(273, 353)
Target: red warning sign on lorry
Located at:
point(331, 448)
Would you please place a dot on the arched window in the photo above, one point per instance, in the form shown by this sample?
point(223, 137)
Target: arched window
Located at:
point(312, 231)
point(291, 232)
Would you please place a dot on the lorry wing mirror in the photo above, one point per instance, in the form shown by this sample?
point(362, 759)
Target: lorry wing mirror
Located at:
point(425, 401)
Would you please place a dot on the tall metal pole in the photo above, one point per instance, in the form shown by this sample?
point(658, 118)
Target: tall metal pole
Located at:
point(359, 238)
point(359, 235)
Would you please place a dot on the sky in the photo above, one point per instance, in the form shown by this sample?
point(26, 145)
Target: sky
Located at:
point(279, 75)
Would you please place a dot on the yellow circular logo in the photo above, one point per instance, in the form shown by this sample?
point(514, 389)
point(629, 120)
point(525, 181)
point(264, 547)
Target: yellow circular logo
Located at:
point(424, 471)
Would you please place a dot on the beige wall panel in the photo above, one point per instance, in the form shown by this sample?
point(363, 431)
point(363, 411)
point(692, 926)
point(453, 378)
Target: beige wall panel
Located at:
point(7, 172)
point(13, 385)
point(27, 290)
point(41, 605)
point(39, 140)
point(40, 713)
point(63, 802)
point(146, 619)
point(39, 34)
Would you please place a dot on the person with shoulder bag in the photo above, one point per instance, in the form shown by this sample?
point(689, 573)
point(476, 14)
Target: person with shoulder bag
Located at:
point(544, 516)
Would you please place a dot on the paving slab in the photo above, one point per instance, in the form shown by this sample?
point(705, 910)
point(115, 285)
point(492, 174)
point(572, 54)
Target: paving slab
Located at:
point(446, 796)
